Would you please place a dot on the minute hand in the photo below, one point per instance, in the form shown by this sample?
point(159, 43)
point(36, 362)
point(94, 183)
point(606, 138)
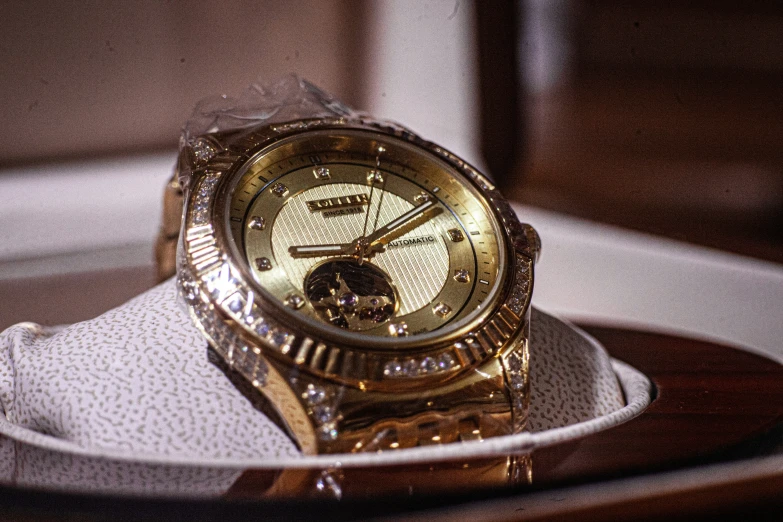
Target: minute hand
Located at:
point(379, 235)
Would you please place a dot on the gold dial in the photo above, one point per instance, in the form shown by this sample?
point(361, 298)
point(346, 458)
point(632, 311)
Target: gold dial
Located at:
point(360, 233)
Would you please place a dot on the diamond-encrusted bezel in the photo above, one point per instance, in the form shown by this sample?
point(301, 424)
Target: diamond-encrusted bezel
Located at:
point(519, 296)
point(426, 365)
point(203, 198)
point(215, 285)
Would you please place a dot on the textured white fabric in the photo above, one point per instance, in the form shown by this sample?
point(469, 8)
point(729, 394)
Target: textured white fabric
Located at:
point(136, 384)
point(136, 378)
point(25, 461)
point(571, 377)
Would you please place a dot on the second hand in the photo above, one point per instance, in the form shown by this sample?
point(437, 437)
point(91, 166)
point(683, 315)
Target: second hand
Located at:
point(361, 246)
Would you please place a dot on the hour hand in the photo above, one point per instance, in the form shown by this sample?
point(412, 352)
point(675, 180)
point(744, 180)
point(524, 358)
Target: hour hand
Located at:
point(319, 250)
point(355, 248)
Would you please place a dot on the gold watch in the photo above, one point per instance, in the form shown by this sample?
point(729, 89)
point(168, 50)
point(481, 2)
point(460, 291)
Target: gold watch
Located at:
point(374, 287)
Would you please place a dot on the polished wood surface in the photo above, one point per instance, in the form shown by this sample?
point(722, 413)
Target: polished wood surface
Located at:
point(708, 398)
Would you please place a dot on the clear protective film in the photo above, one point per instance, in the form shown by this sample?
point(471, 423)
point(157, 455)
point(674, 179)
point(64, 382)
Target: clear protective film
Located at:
point(290, 98)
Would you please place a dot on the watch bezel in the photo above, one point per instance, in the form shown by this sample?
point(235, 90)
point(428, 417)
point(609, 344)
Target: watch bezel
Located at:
point(229, 294)
point(318, 329)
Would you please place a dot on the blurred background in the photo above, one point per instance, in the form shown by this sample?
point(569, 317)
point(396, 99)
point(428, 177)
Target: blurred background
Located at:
point(664, 117)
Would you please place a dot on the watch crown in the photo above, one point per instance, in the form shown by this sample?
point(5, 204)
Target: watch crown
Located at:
point(534, 241)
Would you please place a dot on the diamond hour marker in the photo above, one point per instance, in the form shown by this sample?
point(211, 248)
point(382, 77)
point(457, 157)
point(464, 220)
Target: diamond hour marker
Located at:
point(374, 176)
point(294, 301)
point(441, 310)
point(398, 329)
point(456, 235)
point(263, 263)
point(421, 197)
point(279, 190)
point(257, 223)
point(462, 276)
point(322, 173)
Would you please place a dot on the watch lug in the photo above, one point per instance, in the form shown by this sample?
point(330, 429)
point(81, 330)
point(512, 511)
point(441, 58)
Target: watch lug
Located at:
point(168, 235)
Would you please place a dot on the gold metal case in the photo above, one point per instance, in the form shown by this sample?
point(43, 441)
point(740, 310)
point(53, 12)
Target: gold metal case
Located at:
point(341, 391)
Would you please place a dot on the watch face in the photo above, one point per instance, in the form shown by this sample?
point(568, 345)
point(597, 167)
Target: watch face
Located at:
point(362, 235)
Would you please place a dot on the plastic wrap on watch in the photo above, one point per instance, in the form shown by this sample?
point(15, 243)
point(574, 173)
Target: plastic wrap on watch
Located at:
point(371, 285)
